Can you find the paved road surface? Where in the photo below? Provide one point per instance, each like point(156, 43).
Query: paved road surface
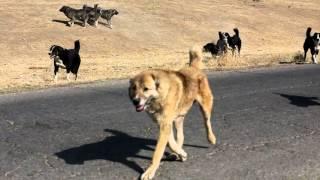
point(267, 123)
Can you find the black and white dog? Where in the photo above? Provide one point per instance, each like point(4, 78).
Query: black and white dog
point(312, 43)
point(68, 59)
point(234, 41)
point(222, 43)
point(75, 14)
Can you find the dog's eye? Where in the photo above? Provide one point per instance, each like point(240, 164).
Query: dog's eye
point(145, 89)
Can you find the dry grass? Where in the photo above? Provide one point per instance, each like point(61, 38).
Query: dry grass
point(147, 34)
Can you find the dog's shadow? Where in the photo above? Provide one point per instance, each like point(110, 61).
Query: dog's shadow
point(117, 148)
point(301, 101)
point(104, 24)
point(66, 22)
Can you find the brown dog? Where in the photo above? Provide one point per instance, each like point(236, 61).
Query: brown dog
point(167, 96)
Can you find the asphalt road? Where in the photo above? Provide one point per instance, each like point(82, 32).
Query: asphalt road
point(266, 122)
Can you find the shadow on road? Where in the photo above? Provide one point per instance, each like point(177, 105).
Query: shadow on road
point(117, 148)
point(301, 101)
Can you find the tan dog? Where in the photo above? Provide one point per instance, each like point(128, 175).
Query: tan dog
point(167, 96)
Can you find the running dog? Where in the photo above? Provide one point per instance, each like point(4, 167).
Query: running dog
point(108, 14)
point(312, 43)
point(93, 14)
point(167, 96)
point(75, 14)
point(234, 41)
point(68, 59)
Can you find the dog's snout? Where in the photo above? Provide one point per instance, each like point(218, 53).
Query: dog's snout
point(136, 101)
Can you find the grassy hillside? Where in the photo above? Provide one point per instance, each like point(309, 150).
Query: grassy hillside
point(146, 34)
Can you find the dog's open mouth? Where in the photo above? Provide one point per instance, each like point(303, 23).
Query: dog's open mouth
point(140, 108)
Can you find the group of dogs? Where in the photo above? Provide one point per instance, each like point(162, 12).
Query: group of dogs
point(88, 14)
point(225, 42)
point(69, 59)
point(167, 95)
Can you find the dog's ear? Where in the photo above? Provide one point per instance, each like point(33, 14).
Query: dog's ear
point(220, 35)
point(156, 80)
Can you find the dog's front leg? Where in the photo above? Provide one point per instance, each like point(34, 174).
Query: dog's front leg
point(109, 23)
point(71, 22)
point(165, 131)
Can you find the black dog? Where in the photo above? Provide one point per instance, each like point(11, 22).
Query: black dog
point(75, 14)
point(234, 41)
point(107, 15)
point(212, 48)
point(312, 43)
point(68, 59)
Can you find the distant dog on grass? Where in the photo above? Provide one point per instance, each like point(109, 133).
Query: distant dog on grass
point(68, 59)
point(222, 43)
point(75, 14)
point(234, 41)
point(108, 14)
point(220, 48)
point(312, 43)
point(93, 14)
point(212, 48)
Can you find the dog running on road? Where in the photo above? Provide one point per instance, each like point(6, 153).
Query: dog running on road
point(167, 96)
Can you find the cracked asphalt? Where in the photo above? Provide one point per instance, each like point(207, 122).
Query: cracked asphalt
point(266, 122)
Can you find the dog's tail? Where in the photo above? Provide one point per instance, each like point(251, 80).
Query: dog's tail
point(236, 30)
point(308, 32)
point(77, 46)
point(195, 55)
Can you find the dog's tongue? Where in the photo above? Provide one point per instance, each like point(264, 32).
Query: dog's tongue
point(139, 108)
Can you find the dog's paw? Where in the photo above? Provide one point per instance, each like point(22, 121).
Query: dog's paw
point(212, 139)
point(148, 174)
point(172, 157)
point(177, 157)
point(183, 157)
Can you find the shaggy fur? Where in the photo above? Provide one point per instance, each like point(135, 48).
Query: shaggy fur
point(234, 41)
point(75, 14)
point(68, 59)
point(312, 43)
point(108, 14)
point(93, 14)
point(167, 97)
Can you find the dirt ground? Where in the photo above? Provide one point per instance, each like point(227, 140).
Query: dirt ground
point(146, 34)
